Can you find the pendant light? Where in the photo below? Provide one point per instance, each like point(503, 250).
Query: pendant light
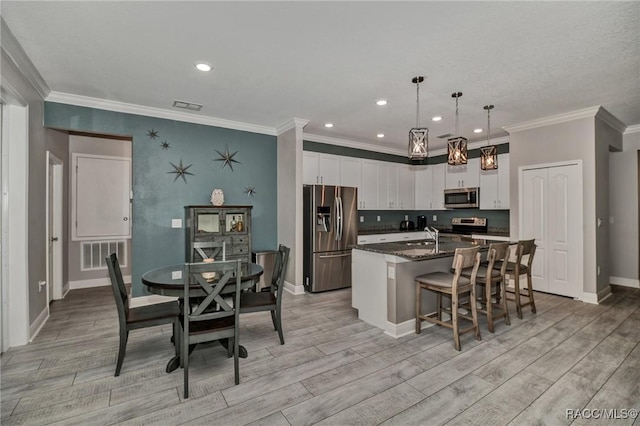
point(457, 147)
point(489, 153)
point(418, 136)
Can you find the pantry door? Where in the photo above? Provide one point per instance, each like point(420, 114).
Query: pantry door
point(551, 210)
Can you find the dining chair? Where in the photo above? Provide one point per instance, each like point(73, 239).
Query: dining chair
point(521, 266)
point(491, 274)
point(216, 250)
point(270, 299)
point(207, 315)
point(141, 316)
point(453, 285)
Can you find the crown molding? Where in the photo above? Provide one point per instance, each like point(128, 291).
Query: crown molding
point(632, 129)
point(353, 144)
point(611, 120)
point(12, 48)
point(89, 102)
point(291, 124)
point(553, 119)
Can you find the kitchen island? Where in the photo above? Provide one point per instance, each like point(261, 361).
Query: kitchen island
point(383, 286)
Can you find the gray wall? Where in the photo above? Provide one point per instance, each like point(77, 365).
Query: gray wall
point(568, 141)
point(95, 146)
point(624, 206)
point(58, 144)
point(290, 201)
point(158, 197)
point(36, 239)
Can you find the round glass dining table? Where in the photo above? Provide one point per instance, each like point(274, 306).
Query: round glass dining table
point(167, 281)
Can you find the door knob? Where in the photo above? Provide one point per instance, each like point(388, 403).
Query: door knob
point(54, 239)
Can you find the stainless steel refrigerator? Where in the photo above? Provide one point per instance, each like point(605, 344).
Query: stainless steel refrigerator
point(330, 230)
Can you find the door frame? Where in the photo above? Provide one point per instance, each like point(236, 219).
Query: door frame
point(54, 201)
point(578, 289)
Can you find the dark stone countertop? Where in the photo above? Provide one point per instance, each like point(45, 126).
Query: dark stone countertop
point(424, 249)
point(497, 232)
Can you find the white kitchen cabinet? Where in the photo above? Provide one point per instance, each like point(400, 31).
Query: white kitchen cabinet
point(437, 186)
point(423, 183)
point(386, 172)
point(392, 185)
point(494, 186)
point(350, 172)
point(320, 169)
point(406, 187)
point(463, 176)
point(368, 194)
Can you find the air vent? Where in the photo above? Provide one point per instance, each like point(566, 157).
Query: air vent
point(445, 136)
point(187, 105)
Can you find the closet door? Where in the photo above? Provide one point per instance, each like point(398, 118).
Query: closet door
point(551, 211)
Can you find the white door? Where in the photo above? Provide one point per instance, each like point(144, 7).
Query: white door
point(551, 212)
point(54, 227)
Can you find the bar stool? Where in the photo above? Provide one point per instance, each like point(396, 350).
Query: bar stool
point(453, 285)
point(516, 269)
point(489, 276)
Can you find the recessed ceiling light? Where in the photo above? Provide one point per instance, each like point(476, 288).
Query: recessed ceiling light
point(381, 102)
point(436, 118)
point(477, 130)
point(328, 125)
point(203, 66)
point(380, 135)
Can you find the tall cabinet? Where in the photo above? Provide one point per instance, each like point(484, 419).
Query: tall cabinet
point(231, 224)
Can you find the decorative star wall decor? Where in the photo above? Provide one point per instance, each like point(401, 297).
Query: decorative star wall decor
point(152, 134)
point(250, 190)
point(227, 158)
point(181, 171)
point(165, 145)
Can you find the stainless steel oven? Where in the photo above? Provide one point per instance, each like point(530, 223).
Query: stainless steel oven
point(462, 198)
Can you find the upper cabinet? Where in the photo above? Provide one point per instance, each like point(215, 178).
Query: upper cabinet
point(321, 169)
point(429, 187)
point(406, 187)
point(350, 172)
point(464, 176)
point(368, 194)
point(494, 186)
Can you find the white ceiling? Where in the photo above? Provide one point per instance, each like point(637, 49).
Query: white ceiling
point(330, 61)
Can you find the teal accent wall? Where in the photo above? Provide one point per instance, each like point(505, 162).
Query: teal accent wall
point(158, 197)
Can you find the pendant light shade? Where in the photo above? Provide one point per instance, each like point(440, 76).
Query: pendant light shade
point(418, 136)
point(457, 147)
point(489, 153)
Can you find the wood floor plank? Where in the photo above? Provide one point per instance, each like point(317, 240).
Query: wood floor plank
point(505, 402)
point(445, 404)
point(181, 412)
point(275, 419)
point(378, 408)
point(256, 408)
point(329, 403)
point(251, 389)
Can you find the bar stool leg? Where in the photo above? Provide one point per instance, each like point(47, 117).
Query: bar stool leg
point(454, 320)
point(503, 290)
point(418, 320)
point(489, 306)
point(516, 279)
point(530, 286)
point(474, 312)
point(439, 307)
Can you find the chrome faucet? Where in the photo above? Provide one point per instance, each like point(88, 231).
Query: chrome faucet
point(435, 235)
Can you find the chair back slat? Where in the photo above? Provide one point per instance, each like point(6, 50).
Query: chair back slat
point(525, 248)
point(210, 250)
point(501, 257)
point(464, 258)
point(118, 287)
point(280, 270)
point(213, 305)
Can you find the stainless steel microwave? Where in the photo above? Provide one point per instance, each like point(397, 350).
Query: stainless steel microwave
point(462, 198)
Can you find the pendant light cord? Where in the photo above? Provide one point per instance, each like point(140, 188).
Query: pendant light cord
point(457, 123)
point(418, 105)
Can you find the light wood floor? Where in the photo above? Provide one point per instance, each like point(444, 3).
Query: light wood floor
point(333, 369)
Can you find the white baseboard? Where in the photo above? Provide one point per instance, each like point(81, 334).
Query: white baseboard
point(409, 326)
point(626, 282)
point(596, 299)
point(37, 325)
point(150, 300)
point(293, 288)
point(96, 282)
